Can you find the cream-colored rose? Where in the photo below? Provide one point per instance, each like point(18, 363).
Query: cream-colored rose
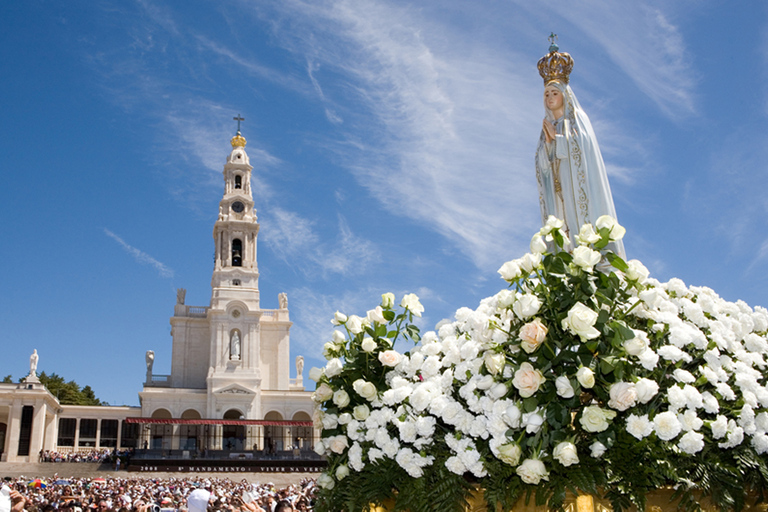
point(510, 453)
point(566, 454)
point(337, 444)
point(494, 362)
point(354, 324)
point(527, 380)
point(333, 368)
point(368, 345)
point(581, 322)
point(365, 389)
point(361, 412)
point(586, 377)
point(322, 393)
point(510, 271)
point(316, 374)
point(341, 398)
point(342, 472)
point(376, 315)
point(411, 303)
point(637, 271)
point(623, 396)
point(532, 335)
point(587, 235)
point(389, 358)
point(532, 471)
point(530, 262)
point(585, 258)
point(538, 245)
point(387, 300)
point(636, 345)
point(646, 389)
point(615, 230)
point(326, 481)
point(595, 419)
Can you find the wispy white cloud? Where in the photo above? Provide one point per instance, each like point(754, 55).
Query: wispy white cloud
point(140, 256)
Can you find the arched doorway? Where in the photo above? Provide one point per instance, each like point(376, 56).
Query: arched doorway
point(273, 436)
point(302, 436)
point(233, 436)
point(189, 435)
point(158, 436)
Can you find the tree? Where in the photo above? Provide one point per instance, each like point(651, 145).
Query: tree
point(69, 393)
point(7, 379)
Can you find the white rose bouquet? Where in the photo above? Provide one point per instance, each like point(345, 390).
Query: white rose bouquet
point(583, 374)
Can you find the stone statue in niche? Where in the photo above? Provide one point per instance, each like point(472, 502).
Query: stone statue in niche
point(299, 367)
point(282, 300)
point(234, 346)
point(181, 295)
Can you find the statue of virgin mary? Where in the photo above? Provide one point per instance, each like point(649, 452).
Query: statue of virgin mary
point(573, 184)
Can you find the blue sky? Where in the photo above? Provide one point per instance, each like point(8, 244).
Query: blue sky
point(392, 145)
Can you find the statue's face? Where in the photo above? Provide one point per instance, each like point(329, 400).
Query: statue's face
point(553, 98)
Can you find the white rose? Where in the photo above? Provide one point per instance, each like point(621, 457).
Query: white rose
point(532, 335)
point(538, 245)
point(566, 454)
point(512, 416)
point(355, 324)
point(339, 318)
point(316, 374)
point(528, 380)
point(623, 396)
point(326, 481)
point(342, 472)
point(412, 304)
point(329, 350)
point(595, 419)
point(564, 388)
point(581, 322)
point(526, 306)
point(585, 258)
point(532, 471)
point(368, 345)
point(510, 270)
point(587, 235)
point(376, 315)
point(365, 389)
point(552, 223)
point(529, 262)
point(510, 453)
point(344, 418)
point(667, 426)
point(646, 389)
point(389, 358)
point(636, 345)
point(532, 421)
point(341, 398)
point(494, 362)
point(636, 271)
point(387, 300)
point(597, 449)
point(498, 390)
point(586, 377)
point(615, 230)
point(333, 368)
point(338, 337)
point(322, 393)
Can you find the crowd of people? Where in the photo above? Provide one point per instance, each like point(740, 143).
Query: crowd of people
point(102, 455)
point(153, 495)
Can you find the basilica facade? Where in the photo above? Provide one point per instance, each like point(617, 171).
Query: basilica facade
point(229, 390)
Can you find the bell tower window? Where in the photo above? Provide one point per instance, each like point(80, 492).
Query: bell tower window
point(238, 181)
point(237, 253)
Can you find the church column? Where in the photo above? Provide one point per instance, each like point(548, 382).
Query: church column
point(98, 433)
point(38, 431)
point(12, 433)
point(119, 434)
point(51, 431)
point(77, 435)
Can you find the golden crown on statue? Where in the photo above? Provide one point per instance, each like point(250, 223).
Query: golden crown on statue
point(555, 66)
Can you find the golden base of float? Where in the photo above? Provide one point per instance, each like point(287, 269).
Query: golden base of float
point(656, 501)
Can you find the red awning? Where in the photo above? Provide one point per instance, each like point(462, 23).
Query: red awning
point(179, 421)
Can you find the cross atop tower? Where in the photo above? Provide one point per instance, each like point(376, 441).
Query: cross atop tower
point(238, 119)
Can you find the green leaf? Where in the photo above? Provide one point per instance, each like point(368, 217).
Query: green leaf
point(388, 315)
point(530, 404)
point(617, 262)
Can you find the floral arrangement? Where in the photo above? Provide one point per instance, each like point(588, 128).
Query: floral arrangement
point(583, 375)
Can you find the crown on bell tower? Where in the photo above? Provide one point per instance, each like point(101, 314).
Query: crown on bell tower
point(238, 141)
point(555, 66)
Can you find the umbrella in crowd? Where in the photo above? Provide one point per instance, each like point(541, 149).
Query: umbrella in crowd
point(62, 482)
point(37, 483)
point(98, 481)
